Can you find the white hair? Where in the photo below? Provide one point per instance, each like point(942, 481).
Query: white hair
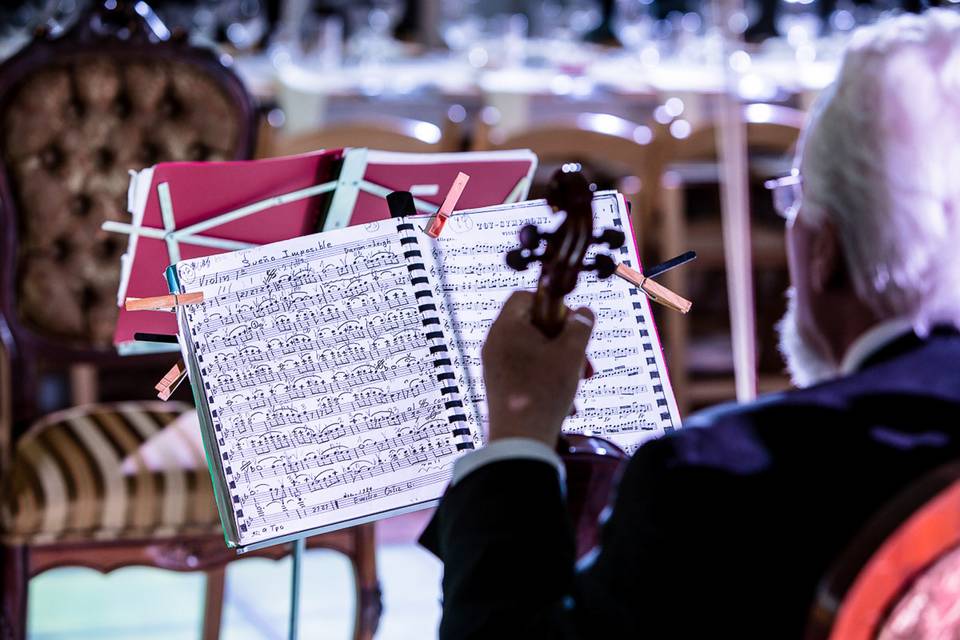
point(881, 160)
point(806, 364)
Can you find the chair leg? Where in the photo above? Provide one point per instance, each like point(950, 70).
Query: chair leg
point(84, 385)
point(213, 603)
point(369, 603)
point(13, 619)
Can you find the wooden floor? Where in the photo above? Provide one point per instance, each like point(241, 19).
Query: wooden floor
point(149, 604)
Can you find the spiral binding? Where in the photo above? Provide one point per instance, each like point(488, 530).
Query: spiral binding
point(228, 474)
point(646, 342)
point(439, 350)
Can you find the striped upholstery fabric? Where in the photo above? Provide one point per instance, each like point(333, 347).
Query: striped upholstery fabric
point(81, 474)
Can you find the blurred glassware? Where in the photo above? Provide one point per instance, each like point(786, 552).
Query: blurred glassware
point(245, 23)
point(56, 15)
point(569, 20)
point(743, 17)
point(484, 34)
point(633, 23)
point(313, 41)
point(508, 35)
point(688, 30)
point(17, 24)
point(371, 24)
point(842, 20)
point(664, 33)
point(799, 22)
point(699, 17)
point(461, 24)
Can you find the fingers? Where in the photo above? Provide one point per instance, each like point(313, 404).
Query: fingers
point(515, 321)
point(576, 332)
point(514, 315)
point(518, 305)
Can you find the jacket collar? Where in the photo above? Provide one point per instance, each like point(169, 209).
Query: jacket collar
point(886, 341)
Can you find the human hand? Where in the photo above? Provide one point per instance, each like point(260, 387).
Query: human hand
point(531, 379)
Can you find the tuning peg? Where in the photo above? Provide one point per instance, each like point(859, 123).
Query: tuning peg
point(530, 237)
point(613, 238)
point(604, 265)
point(517, 261)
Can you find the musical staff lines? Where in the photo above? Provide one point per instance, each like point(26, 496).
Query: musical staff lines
point(468, 262)
point(320, 380)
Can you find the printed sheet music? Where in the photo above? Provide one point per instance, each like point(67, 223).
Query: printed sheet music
point(338, 377)
point(628, 400)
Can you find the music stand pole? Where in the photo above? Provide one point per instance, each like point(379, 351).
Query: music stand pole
point(299, 545)
point(735, 206)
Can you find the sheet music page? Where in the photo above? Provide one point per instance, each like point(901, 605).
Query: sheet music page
point(629, 399)
point(320, 380)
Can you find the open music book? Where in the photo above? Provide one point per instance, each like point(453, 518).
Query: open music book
point(337, 376)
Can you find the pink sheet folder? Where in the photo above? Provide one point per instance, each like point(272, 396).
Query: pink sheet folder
point(184, 210)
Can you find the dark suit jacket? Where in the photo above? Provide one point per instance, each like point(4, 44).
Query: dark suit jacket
point(722, 529)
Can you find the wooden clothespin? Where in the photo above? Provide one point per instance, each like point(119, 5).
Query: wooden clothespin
point(169, 382)
point(654, 290)
point(435, 226)
point(162, 302)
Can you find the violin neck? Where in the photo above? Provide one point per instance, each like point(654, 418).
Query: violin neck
point(549, 313)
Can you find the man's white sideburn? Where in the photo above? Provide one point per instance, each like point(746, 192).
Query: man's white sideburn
point(807, 366)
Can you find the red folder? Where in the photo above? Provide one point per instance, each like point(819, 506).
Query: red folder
point(201, 191)
point(493, 178)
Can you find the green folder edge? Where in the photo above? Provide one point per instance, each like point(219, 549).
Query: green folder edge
point(210, 450)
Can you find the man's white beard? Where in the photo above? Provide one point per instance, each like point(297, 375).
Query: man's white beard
point(805, 363)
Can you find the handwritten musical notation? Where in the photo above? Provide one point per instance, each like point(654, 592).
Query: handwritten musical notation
point(625, 400)
point(320, 380)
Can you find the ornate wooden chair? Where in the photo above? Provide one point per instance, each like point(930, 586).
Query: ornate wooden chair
point(772, 133)
point(900, 578)
point(116, 92)
point(618, 149)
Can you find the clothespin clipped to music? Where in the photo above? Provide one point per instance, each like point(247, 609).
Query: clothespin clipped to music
point(161, 303)
point(169, 383)
point(654, 290)
point(435, 225)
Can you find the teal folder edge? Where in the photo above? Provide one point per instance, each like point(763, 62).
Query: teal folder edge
point(212, 454)
point(210, 449)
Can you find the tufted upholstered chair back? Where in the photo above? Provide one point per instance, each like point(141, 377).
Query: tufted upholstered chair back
point(77, 112)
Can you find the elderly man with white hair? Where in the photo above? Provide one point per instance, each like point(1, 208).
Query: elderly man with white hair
point(725, 528)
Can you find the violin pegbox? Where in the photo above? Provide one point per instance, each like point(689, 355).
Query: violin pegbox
point(603, 264)
point(563, 252)
point(530, 240)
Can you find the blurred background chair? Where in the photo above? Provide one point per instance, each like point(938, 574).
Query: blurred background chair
point(387, 133)
point(615, 152)
point(688, 217)
point(900, 577)
point(77, 111)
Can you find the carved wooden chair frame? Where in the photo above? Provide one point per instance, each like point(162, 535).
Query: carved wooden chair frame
point(904, 539)
point(123, 29)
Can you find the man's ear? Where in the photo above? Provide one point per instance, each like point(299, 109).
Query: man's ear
point(828, 271)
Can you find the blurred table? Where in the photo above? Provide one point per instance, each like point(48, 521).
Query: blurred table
point(603, 79)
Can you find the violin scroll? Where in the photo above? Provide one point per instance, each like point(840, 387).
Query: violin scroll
point(563, 252)
point(532, 238)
